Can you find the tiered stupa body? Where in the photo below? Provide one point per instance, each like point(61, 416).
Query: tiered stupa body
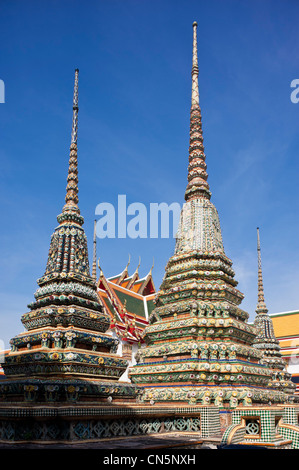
point(199, 344)
point(66, 353)
point(266, 342)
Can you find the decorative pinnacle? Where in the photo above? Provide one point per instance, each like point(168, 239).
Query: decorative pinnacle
point(151, 270)
point(75, 110)
point(70, 211)
point(194, 73)
point(197, 175)
point(261, 306)
point(128, 263)
point(94, 259)
point(137, 269)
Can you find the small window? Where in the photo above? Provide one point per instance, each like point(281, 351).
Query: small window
point(253, 426)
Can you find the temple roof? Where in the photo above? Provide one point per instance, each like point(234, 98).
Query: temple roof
point(129, 300)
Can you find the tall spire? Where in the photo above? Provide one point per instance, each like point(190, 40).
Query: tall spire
point(94, 260)
point(68, 249)
point(71, 210)
point(265, 339)
point(197, 323)
point(198, 341)
point(261, 305)
point(197, 175)
point(75, 110)
point(194, 72)
point(199, 227)
point(67, 313)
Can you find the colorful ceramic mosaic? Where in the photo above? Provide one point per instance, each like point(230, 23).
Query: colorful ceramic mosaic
point(200, 355)
point(266, 341)
point(67, 325)
point(199, 344)
point(261, 426)
point(268, 426)
point(79, 424)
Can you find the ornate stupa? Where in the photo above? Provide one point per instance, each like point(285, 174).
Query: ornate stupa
point(66, 354)
point(199, 344)
point(266, 341)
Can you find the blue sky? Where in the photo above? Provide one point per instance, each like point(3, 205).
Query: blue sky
point(134, 102)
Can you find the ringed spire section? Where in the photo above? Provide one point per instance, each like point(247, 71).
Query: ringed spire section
point(197, 174)
point(71, 211)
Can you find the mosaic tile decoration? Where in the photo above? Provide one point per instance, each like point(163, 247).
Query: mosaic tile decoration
point(93, 429)
point(198, 335)
point(291, 415)
point(199, 347)
point(84, 423)
point(273, 428)
point(234, 434)
point(66, 355)
point(290, 432)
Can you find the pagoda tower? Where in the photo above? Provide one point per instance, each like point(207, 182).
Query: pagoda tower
point(266, 341)
point(199, 344)
point(66, 354)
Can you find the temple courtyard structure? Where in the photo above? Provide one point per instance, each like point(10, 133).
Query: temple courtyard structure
point(201, 369)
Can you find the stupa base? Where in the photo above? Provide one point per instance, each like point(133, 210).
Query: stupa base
point(221, 396)
point(91, 422)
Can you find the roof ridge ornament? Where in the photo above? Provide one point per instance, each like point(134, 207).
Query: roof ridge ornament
point(137, 269)
point(151, 270)
point(125, 271)
point(135, 275)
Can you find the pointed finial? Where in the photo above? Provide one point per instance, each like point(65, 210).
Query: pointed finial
point(197, 175)
point(99, 266)
point(94, 259)
point(135, 276)
point(125, 273)
point(128, 263)
point(194, 73)
point(258, 240)
point(71, 210)
point(152, 267)
point(265, 339)
point(138, 265)
point(75, 110)
point(261, 306)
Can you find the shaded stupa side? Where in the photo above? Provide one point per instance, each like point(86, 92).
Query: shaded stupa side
point(266, 341)
point(199, 344)
point(66, 354)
